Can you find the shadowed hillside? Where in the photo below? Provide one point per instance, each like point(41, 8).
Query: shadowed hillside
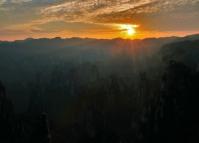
point(102, 91)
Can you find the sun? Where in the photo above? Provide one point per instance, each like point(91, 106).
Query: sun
point(129, 29)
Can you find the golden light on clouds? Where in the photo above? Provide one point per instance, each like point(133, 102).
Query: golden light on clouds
point(128, 30)
point(97, 18)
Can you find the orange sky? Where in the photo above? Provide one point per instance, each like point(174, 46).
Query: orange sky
point(101, 19)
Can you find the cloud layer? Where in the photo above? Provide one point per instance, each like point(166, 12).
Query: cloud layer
point(48, 16)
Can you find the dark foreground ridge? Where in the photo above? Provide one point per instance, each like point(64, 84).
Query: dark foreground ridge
point(105, 95)
point(26, 128)
point(170, 116)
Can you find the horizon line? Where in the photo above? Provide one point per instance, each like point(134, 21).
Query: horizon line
point(64, 38)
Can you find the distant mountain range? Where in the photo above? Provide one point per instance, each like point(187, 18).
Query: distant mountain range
point(89, 42)
point(23, 61)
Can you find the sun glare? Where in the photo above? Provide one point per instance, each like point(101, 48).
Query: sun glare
point(129, 30)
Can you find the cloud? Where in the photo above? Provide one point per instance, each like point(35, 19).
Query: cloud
point(20, 1)
point(40, 16)
point(13, 1)
point(150, 14)
point(2, 2)
point(78, 10)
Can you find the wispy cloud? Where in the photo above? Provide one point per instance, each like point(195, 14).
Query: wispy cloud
point(88, 10)
point(40, 16)
point(111, 11)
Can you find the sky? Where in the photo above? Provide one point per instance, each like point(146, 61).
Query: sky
point(20, 19)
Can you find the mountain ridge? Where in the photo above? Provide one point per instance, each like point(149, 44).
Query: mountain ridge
point(191, 37)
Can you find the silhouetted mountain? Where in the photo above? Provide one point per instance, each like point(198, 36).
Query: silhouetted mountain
point(184, 51)
point(99, 90)
point(22, 60)
point(83, 42)
point(192, 37)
